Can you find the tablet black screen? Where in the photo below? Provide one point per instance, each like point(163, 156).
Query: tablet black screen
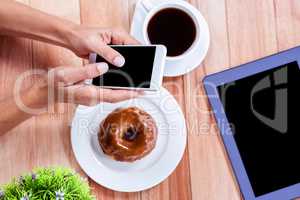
point(263, 110)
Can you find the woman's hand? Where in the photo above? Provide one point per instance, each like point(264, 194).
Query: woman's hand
point(85, 40)
point(66, 84)
point(62, 84)
point(19, 20)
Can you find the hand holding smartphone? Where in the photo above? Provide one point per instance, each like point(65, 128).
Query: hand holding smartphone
point(143, 68)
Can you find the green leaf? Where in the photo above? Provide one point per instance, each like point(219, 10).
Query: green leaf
point(46, 183)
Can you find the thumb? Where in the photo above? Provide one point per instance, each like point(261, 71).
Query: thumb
point(110, 55)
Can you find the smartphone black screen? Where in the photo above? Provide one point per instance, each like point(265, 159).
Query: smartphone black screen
point(136, 72)
point(263, 110)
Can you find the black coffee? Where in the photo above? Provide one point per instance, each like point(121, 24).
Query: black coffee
point(173, 28)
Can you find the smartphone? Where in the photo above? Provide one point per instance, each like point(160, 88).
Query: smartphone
point(143, 68)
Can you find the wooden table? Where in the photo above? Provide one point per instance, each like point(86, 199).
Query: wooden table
point(241, 30)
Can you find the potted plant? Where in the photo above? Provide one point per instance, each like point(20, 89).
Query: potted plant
point(47, 184)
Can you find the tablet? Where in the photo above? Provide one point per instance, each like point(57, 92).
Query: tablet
point(256, 106)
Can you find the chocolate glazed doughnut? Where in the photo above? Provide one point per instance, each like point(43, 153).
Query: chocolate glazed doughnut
point(127, 134)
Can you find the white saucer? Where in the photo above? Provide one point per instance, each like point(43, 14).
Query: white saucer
point(141, 174)
point(179, 67)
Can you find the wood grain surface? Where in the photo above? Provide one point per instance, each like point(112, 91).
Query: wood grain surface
point(241, 31)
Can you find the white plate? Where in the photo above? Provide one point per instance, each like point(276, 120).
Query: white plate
point(141, 174)
point(193, 60)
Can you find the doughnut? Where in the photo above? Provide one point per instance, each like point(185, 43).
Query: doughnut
point(127, 134)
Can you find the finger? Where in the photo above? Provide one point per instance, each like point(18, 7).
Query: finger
point(114, 96)
point(91, 95)
point(110, 55)
point(71, 75)
point(122, 37)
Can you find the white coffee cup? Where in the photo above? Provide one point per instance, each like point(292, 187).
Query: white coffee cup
point(152, 8)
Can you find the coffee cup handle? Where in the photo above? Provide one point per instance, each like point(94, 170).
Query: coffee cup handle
point(148, 4)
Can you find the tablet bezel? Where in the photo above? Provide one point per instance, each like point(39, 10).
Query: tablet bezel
point(211, 82)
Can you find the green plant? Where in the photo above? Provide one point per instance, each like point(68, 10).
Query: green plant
point(47, 184)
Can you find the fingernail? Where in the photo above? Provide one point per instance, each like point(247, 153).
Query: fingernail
point(119, 61)
point(102, 67)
